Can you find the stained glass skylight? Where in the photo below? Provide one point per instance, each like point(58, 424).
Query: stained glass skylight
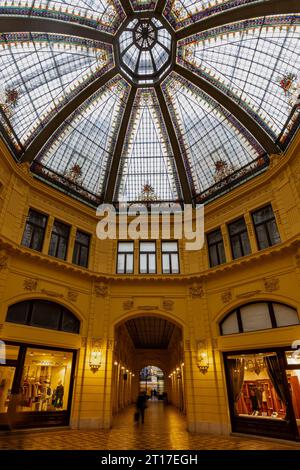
point(147, 165)
point(105, 15)
point(209, 136)
point(143, 5)
point(145, 49)
point(150, 102)
point(181, 13)
point(82, 148)
point(248, 60)
point(46, 71)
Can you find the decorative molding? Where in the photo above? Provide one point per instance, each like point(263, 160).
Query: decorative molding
point(147, 307)
point(101, 290)
point(226, 296)
point(128, 305)
point(3, 262)
point(52, 293)
point(297, 257)
point(168, 305)
point(72, 295)
point(271, 284)
point(30, 284)
point(83, 341)
point(110, 344)
point(187, 345)
point(196, 291)
point(246, 295)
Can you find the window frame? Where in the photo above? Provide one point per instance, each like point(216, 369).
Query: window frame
point(147, 253)
point(237, 312)
point(31, 224)
point(81, 245)
point(170, 253)
point(238, 236)
point(60, 237)
point(264, 224)
point(209, 245)
point(125, 253)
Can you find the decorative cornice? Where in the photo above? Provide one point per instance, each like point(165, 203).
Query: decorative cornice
point(3, 262)
point(241, 263)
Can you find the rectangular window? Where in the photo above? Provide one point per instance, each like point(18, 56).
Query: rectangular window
point(216, 248)
point(125, 263)
point(147, 257)
point(81, 249)
point(265, 227)
point(34, 231)
point(170, 258)
point(239, 240)
point(59, 240)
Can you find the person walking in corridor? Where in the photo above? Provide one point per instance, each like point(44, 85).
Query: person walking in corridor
point(141, 405)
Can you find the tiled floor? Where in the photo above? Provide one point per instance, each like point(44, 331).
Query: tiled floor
point(164, 428)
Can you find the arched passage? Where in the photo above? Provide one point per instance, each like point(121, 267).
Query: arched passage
point(141, 342)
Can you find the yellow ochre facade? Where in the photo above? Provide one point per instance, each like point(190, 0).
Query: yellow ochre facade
point(196, 300)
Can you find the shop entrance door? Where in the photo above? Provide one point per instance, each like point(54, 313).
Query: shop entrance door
point(7, 376)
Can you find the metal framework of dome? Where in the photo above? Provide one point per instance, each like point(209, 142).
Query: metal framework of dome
point(105, 98)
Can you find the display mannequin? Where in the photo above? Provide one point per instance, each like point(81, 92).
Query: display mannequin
point(58, 395)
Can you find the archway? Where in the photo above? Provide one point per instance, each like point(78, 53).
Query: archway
point(153, 345)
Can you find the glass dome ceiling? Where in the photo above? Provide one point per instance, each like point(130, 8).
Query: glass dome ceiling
point(144, 100)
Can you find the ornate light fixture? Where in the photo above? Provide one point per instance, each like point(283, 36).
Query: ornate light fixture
point(95, 355)
point(202, 356)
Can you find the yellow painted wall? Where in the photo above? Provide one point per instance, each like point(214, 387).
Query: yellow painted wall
point(102, 300)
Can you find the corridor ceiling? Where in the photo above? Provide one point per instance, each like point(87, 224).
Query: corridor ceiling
point(148, 100)
point(150, 332)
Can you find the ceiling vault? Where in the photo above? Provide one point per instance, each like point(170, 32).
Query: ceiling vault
point(251, 10)
point(16, 24)
point(242, 116)
point(52, 126)
point(182, 171)
point(115, 161)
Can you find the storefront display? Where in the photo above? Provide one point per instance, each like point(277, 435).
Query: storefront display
point(264, 396)
point(40, 380)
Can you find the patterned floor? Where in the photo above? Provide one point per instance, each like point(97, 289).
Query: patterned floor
point(164, 428)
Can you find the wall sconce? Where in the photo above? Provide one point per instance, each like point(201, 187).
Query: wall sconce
point(95, 355)
point(202, 357)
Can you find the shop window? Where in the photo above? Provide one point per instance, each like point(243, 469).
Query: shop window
point(170, 258)
point(147, 257)
point(81, 249)
point(7, 374)
point(265, 227)
point(125, 258)
point(45, 383)
point(216, 248)
point(43, 314)
point(59, 240)
point(34, 231)
point(239, 240)
point(256, 389)
point(258, 316)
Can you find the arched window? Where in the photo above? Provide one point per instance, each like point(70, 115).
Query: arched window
point(43, 314)
point(258, 316)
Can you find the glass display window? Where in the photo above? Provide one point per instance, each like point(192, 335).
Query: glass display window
point(45, 381)
point(7, 374)
point(256, 390)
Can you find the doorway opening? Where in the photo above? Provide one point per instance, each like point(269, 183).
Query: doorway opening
point(148, 349)
point(152, 382)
